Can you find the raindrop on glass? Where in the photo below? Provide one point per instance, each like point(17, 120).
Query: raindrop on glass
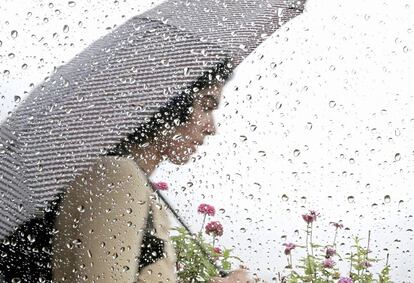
point(397, 157)
point(332, 104)
point(285, 197)
point(71, 3)
point(17, 99)
point(387, 199)
point(351, 199)
point(65, 28)
point(296, 152)
point(14, 34)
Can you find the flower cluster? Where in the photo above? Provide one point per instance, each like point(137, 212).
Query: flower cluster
point(330, 252)
point(337, 225)
point(206, 209)
point(322, 266)
point(214, 228)
point(289, 247)
point(192, 265)
point(310, 217)
point(161, 186)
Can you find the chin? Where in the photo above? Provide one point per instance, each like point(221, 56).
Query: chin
point(180, 161)
point(183, 158)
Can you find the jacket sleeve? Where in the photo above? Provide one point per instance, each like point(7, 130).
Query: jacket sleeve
point(100, 224)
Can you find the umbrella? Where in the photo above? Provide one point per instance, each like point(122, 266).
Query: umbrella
point(115, 86)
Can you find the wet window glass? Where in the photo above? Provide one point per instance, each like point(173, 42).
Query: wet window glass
point(206, 141)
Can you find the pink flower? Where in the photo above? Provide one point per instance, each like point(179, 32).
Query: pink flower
point(161, 186)
point(345, 280)
point(337, 225)
point(330, 252)
point(215, 228)
point(328, 263)
point(206, 209)
point(217, 250)
point(289, 247)
point(310, 217)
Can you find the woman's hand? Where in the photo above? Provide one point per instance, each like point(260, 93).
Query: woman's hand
point(237, 276)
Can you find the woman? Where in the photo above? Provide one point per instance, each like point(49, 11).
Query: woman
point(99, 227)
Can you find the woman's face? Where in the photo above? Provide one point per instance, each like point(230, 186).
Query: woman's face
point(183, 143)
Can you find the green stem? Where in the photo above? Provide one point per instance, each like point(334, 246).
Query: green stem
point(307, 240)
point(336, 234)
point(311, 242)
point(202, 225)
point(311, 246)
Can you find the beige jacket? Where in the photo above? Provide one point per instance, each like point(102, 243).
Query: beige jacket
point(100, 227)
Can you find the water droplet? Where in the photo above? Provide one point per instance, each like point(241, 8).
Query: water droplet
point(81, 208)
point(278, 105)
point(14, 34)
point(387, 199)
point(17, 99)
point(1, 43)
point(65, 28)
point(332, 68)
point(186, 71)
point(285, 197)
point(309, 126)
point(397, 132)
point(71, 3)
point(296, 152)
point(243, 230)
point(6, 72)
point(24, 66)
point(332, 104)
point(31, 238)
point(125, 268)
point(243, 138)
point(351, 199)
point(129, 210)
point(11, 55)
point(405, 49)
point(397, 157)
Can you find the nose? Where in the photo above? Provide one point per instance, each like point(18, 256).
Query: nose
point(210, 126)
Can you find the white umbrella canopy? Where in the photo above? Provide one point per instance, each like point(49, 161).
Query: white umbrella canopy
point(114, 86)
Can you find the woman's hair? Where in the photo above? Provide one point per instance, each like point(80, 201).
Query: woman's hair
point(175, 113)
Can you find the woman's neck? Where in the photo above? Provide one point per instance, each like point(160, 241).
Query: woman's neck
point(148, 158)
